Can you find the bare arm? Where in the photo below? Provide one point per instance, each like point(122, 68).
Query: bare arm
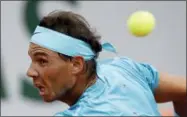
point(172, 88)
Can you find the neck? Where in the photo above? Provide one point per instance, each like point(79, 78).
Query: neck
point(81, 85)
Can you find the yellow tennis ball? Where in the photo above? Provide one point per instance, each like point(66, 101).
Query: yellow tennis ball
point(141, 23)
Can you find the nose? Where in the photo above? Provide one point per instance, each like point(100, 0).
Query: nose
point(31, 72)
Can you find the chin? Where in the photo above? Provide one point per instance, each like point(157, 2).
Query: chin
point(48, 99)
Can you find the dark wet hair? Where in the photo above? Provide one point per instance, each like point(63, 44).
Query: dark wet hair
point(74, 25)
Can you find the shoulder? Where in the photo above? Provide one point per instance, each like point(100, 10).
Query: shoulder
point(121, 62)
point(116, 60)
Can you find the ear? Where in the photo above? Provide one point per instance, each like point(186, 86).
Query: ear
point(77, 64)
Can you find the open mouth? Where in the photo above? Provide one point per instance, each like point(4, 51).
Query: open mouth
point(41, 89)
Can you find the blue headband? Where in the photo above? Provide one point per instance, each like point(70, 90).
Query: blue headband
point(65, 44)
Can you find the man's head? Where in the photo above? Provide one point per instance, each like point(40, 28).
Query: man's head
point(56, 74)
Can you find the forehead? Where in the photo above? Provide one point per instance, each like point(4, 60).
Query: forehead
point(34, 48)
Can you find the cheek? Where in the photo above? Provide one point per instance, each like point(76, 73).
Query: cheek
point(59, 78)
point(63, 80)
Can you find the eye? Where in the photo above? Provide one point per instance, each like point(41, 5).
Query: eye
point(42, 62)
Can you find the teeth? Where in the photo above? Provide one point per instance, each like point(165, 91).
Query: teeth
point(41, 91)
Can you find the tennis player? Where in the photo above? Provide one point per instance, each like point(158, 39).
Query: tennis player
point(64, 51)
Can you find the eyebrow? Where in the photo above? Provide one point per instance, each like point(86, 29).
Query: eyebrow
point(40, 54)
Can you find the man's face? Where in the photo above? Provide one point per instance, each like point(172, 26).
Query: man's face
point(50, 73)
